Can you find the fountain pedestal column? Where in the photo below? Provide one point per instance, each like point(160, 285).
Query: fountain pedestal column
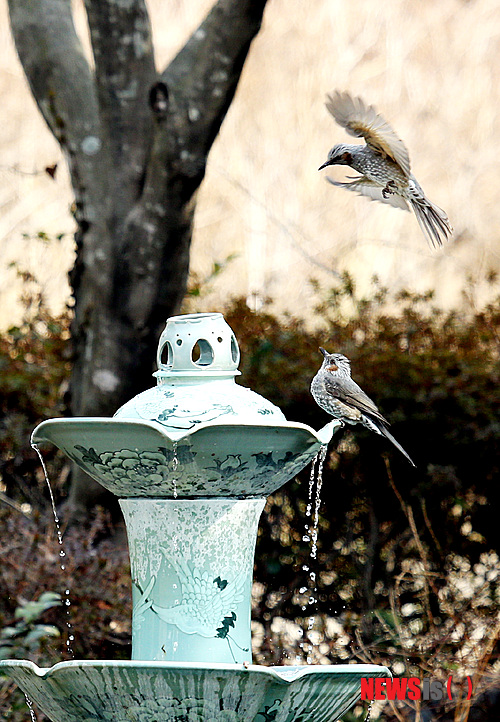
point(192, 567)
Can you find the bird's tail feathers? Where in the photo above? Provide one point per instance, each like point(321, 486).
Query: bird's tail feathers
point(432, 220)
point(385, 432)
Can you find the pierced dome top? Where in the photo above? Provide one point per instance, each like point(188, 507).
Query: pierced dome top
point(197, 343)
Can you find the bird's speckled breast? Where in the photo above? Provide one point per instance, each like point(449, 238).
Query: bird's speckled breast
point(332, 405)
point(378, 169)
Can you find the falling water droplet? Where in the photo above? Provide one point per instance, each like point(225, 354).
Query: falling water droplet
point(311, 484)
point(175, 464)
point(311, 534)
point(317, 501)
point(62, 553)
point(30, 707)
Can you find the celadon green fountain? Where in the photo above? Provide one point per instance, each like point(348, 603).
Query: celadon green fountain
point(192, 461)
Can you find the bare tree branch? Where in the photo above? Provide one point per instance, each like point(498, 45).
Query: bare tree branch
point(63, 87)
point(60, 78)
point(124, 72)
point(51, 54)
point(206, 71)
point(200, 82)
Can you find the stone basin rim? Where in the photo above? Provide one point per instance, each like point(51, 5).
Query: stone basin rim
point(283, 674)
point(323, 436)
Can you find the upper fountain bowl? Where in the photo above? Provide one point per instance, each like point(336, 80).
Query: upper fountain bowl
point(197, 432)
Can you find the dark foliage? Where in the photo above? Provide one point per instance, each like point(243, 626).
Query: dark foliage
point(34, 369)
point(435, 376)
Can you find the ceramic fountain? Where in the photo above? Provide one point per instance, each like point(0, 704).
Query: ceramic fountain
point(192, 461)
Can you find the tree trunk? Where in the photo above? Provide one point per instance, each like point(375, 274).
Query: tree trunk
point(136, 144)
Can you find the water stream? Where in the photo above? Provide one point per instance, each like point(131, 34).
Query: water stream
point(311, 535)
point(175, 464)
point(30, 707)
point(62, 556)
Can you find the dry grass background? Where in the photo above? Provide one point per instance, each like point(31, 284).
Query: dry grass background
point(430, 67)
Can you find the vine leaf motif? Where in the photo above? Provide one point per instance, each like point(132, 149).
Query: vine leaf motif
point(265, 460)
point(90, 456)
point(270, 711)
point(227, 622)
point(227, 467)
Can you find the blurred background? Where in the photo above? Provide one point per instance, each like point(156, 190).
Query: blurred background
point(430, 68)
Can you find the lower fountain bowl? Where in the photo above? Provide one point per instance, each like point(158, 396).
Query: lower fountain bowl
point(131, 691)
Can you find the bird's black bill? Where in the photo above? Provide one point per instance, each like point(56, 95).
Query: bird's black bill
point(327, 163)
point(323, 351)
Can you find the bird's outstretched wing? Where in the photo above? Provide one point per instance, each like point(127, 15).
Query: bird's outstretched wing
point(365, 187)
point(350, 394)
point(363, 121)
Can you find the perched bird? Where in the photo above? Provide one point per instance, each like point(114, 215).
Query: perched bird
point(384, 165)
point(334, 391)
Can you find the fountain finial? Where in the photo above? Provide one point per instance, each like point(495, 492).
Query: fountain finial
point(197, 343)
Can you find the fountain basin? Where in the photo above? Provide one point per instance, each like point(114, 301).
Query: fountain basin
point(140, 458)
point(123, 691)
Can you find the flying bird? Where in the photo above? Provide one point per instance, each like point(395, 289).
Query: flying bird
point(383, 164)
point(335, 392)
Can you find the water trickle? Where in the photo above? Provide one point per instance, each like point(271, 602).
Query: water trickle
point(311, 535)
point(369, 712)
point(317, 501)
point(175, 464)
point(62, 553)
point(311, 486)
point(30, 707)
point(52, 501)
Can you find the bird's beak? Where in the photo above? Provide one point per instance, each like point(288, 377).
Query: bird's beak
point(327, 163)
point(323, 351)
